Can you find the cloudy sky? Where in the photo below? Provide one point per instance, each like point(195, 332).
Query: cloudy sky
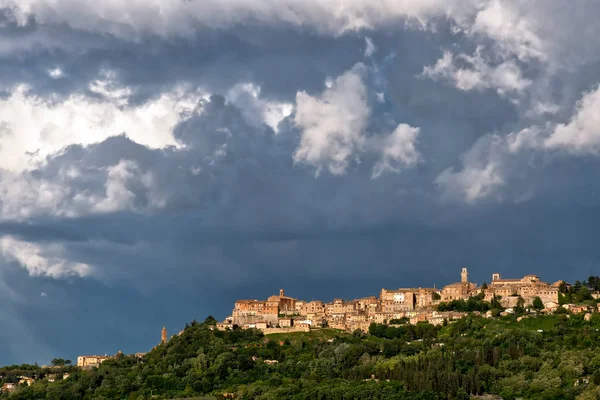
point(159, 159)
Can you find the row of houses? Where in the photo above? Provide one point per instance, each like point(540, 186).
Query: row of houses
point(416, 304)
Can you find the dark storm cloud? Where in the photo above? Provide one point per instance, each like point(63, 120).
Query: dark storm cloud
point(280, 59)
point(180, 232)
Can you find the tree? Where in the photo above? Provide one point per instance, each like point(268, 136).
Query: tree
point(484, 286)
point(495, 303)
point(520, 307)
point(594, 283)
point(562, 287)
point(461, 394)
point(583, 294)
point(58, 362)
point(210, 320)
point(538, 304)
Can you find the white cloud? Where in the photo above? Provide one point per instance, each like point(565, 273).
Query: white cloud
point(55, 73)
point(481, 174)
point(552, 32)
point(486, 166)
point(118, 196)
point(31, 124)
point(257, 110)
point(581, 135)
point(504, 78)
point(512, 30)
point(23, 195)
point(135, 17)
point(370, 47)
point(43, 294)
point(541, 108)
point(334, 132)
point(527, 138)
point(333, 123)
point(397, 149)
point(42, 259)
point(107, 86)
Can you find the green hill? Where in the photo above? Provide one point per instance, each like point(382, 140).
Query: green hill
point(543, 357)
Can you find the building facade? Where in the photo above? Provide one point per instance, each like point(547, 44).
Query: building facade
point(91, 361)
point(414, 304)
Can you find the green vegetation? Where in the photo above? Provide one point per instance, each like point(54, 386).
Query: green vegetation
point(473, 303)
point(579, 292)
point(541, 357)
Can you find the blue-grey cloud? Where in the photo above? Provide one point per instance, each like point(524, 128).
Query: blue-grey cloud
point(155, 168)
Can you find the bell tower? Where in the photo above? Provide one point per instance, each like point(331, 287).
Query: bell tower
point(281, 293)
point(163, 336)
point(464, 275)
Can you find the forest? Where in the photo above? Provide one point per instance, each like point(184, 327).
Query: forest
point(537, 357)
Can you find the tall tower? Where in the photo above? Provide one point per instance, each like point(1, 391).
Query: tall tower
point(464, 275)
point(281, 293)
point(163, 336)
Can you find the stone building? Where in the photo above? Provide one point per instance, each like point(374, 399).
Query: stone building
point(287, 305)
point(427, 297)
point(252, 311)
point(91, 361)
point(529, 287)
point(407, 299)
point(339, 306)
point(397, 300)
point(370, 304)
point(246, 311)
point(313, 307)
point(416, 304)
point(459, 290)
point(300, 304)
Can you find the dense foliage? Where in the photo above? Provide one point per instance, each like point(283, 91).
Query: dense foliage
point(579, 292)
point(541, 357)
point(473, 303)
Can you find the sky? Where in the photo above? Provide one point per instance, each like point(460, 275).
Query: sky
point(161, 159)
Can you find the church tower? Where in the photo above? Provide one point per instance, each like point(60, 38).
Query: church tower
point(464, 275)
point(164, 335)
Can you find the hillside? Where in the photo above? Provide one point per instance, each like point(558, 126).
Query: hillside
point(543, 357)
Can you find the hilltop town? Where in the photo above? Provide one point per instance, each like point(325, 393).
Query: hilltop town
point(281, 313)
point(399, 319)
point(284, 314)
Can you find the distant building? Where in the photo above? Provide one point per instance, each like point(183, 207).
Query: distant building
point(9, 387)
point(285, 304)
point(250, 311)
point(280, 312)
point(91, 361)
point(26, 380)
point(529, 287)
point(459, 290)
point(163, 336)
